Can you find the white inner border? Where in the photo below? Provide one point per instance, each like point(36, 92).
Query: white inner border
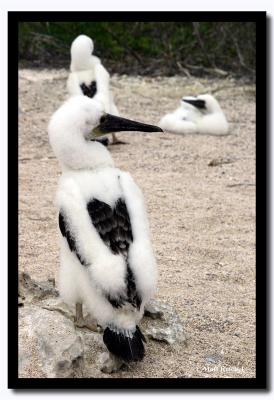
point(106, 5)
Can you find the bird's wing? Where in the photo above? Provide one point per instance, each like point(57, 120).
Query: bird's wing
point(69, 235)
point(95, 60)
point(190, 112)
point(140, 255)
point(213, 124)
point(177, 124)
point(73, 86)
point(112, 224)
point(103, 90)
point(114, 227)
point(113, 108)
point(74, 223)
point(107, 269)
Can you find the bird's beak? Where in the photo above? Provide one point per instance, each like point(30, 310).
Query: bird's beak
point(111, 123)
point(198, 103)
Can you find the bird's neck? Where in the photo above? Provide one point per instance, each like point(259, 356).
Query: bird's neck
point(86, 156)
point(84, 64)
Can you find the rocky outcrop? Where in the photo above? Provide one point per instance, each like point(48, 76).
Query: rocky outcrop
point(50, 346)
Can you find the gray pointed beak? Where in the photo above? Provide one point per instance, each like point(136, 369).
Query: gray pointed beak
point(198, 103)
point(111, 123)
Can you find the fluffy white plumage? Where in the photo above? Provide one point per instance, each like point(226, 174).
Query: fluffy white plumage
point(106, 271)
point(87, 68)
point(203, 116)
point(88, 172)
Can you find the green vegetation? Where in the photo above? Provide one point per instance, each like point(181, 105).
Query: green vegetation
point(146, 48)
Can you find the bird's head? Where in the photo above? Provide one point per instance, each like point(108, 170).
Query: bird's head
point(79, 121)
point(205, 103)
point(81, 52)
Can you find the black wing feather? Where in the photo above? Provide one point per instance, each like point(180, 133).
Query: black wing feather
point(66, 232)
point(114, 228)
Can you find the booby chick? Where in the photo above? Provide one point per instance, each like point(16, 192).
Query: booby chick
point(107, 260)
point(201, 115)
point(88, 77)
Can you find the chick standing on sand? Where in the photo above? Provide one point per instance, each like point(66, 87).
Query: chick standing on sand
point(88, 77)
point(107, 260)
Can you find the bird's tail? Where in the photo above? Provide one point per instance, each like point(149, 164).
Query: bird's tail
point(126, 345)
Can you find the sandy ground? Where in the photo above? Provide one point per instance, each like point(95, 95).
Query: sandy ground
point(202, 217)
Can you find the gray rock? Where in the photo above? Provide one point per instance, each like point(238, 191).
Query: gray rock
point(213, 358)
point(109, 363)
point(168, 327)
point(48, 343)
point(31, 290)
point(153, 310)
point(55, 304)
point(50, 346)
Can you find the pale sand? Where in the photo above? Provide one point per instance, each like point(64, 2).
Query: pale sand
point(202, 218)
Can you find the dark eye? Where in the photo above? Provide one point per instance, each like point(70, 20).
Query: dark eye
point(102, 119)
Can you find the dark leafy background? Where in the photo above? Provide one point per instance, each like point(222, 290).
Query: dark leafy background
point(147, 48)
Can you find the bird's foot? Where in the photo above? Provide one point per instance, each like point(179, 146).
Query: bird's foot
point(152, 311)
point(88, 323)
point(114, 142)
point(111, 363)
point(103, 141)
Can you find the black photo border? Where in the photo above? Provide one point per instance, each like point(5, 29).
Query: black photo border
point(260, 381)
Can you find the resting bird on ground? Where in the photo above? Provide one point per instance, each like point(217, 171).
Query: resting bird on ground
point(201, 114)
point(89, 77)
point(107, 260)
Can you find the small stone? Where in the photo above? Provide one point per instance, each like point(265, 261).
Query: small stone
point(219, 161)
point(213, 358)
point(33, 290)
point(109, 363)
point(153, 311)
point(168, 328)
